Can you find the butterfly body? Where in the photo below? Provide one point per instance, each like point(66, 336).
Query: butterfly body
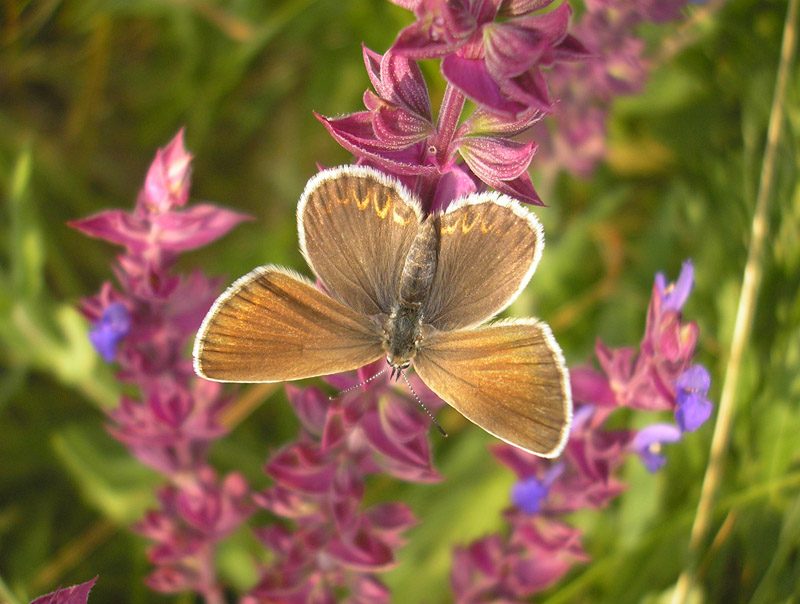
point(416, 289)
point(403, 328)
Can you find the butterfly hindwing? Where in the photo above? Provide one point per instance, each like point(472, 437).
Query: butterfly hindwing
point(508, 377)
point(273, 325)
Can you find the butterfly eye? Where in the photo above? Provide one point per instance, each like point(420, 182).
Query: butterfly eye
point(405, 365)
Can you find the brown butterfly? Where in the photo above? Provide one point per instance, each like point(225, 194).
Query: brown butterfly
point(412, 287)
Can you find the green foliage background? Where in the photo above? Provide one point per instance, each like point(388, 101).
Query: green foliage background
point(90, 89)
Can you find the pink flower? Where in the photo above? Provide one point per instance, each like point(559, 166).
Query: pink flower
point(145, 326)
point(397, 134)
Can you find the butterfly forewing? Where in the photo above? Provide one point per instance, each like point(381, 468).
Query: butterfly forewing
point(489, 248)
point(509, 378)
point(272, 325)
point(356, 227)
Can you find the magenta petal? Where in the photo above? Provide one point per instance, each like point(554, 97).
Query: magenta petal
point(452, 185)
point(511, 50)
point(391, 519)
point(416, 42)
point(441, 27)
point(372, 61)
point(590, 386)
point(115, 226)
point(570, 49)
point(493, 158)
point(362, 551)
point(555, 547)
point(301, 467)
point(551, 26)
point(77, 594)
point(368, 590)
point(398, 128)
point(516, 8)
point(354, 132)
point(167, 183)
point(310, 405)
point(335, 428)
point(520, 188)
point(402, 83)
point(486, 122)
point(473, 79)
point(284, 502)
point(198, 226)
point(529, 89)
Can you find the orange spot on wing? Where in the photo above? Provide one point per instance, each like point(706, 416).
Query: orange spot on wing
point(466, 227)
point(382, 211)
point(364, 203)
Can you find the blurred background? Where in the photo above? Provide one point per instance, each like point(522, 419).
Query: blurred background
point(89, 90)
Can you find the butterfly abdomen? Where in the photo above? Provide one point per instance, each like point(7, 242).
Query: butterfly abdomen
point(420, 265)
point(402, 327)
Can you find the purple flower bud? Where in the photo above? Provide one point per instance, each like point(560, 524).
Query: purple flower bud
point(674, 295)
point(529, 493)
point(106, 333)
point(693, 408)
point(647, 444)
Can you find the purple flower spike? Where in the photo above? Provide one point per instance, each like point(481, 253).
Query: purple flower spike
point(648, 442)
point(694, 408)
point(113, 326)
point(674, 295)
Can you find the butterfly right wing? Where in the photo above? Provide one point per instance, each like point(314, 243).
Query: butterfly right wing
point(356, 226)
point(490, 246)
point(508, 377)
point(273, 325)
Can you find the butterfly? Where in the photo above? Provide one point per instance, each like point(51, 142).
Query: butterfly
point(412, 287)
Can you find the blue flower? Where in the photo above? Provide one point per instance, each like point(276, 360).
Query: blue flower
point(694, 408)
point(110, 328)
point(529, 493)
point(648, 443)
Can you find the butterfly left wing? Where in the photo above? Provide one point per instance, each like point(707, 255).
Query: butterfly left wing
point(273, 325)
point(356, 226)
point(508, 377)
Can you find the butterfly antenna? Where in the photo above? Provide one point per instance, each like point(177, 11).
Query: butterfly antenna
point(421, 404)
point(359, 385)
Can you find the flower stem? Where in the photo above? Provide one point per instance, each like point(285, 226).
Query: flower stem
point(449, 114)
point(744, 314)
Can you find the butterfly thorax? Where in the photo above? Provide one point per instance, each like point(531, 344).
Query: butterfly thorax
point(403, 327)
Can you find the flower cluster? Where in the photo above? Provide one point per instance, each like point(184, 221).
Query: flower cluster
point(144, 325)
point(492, 53)
point(332, 545)
point(539, 547)
point(660, 377)
point(574, 136)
